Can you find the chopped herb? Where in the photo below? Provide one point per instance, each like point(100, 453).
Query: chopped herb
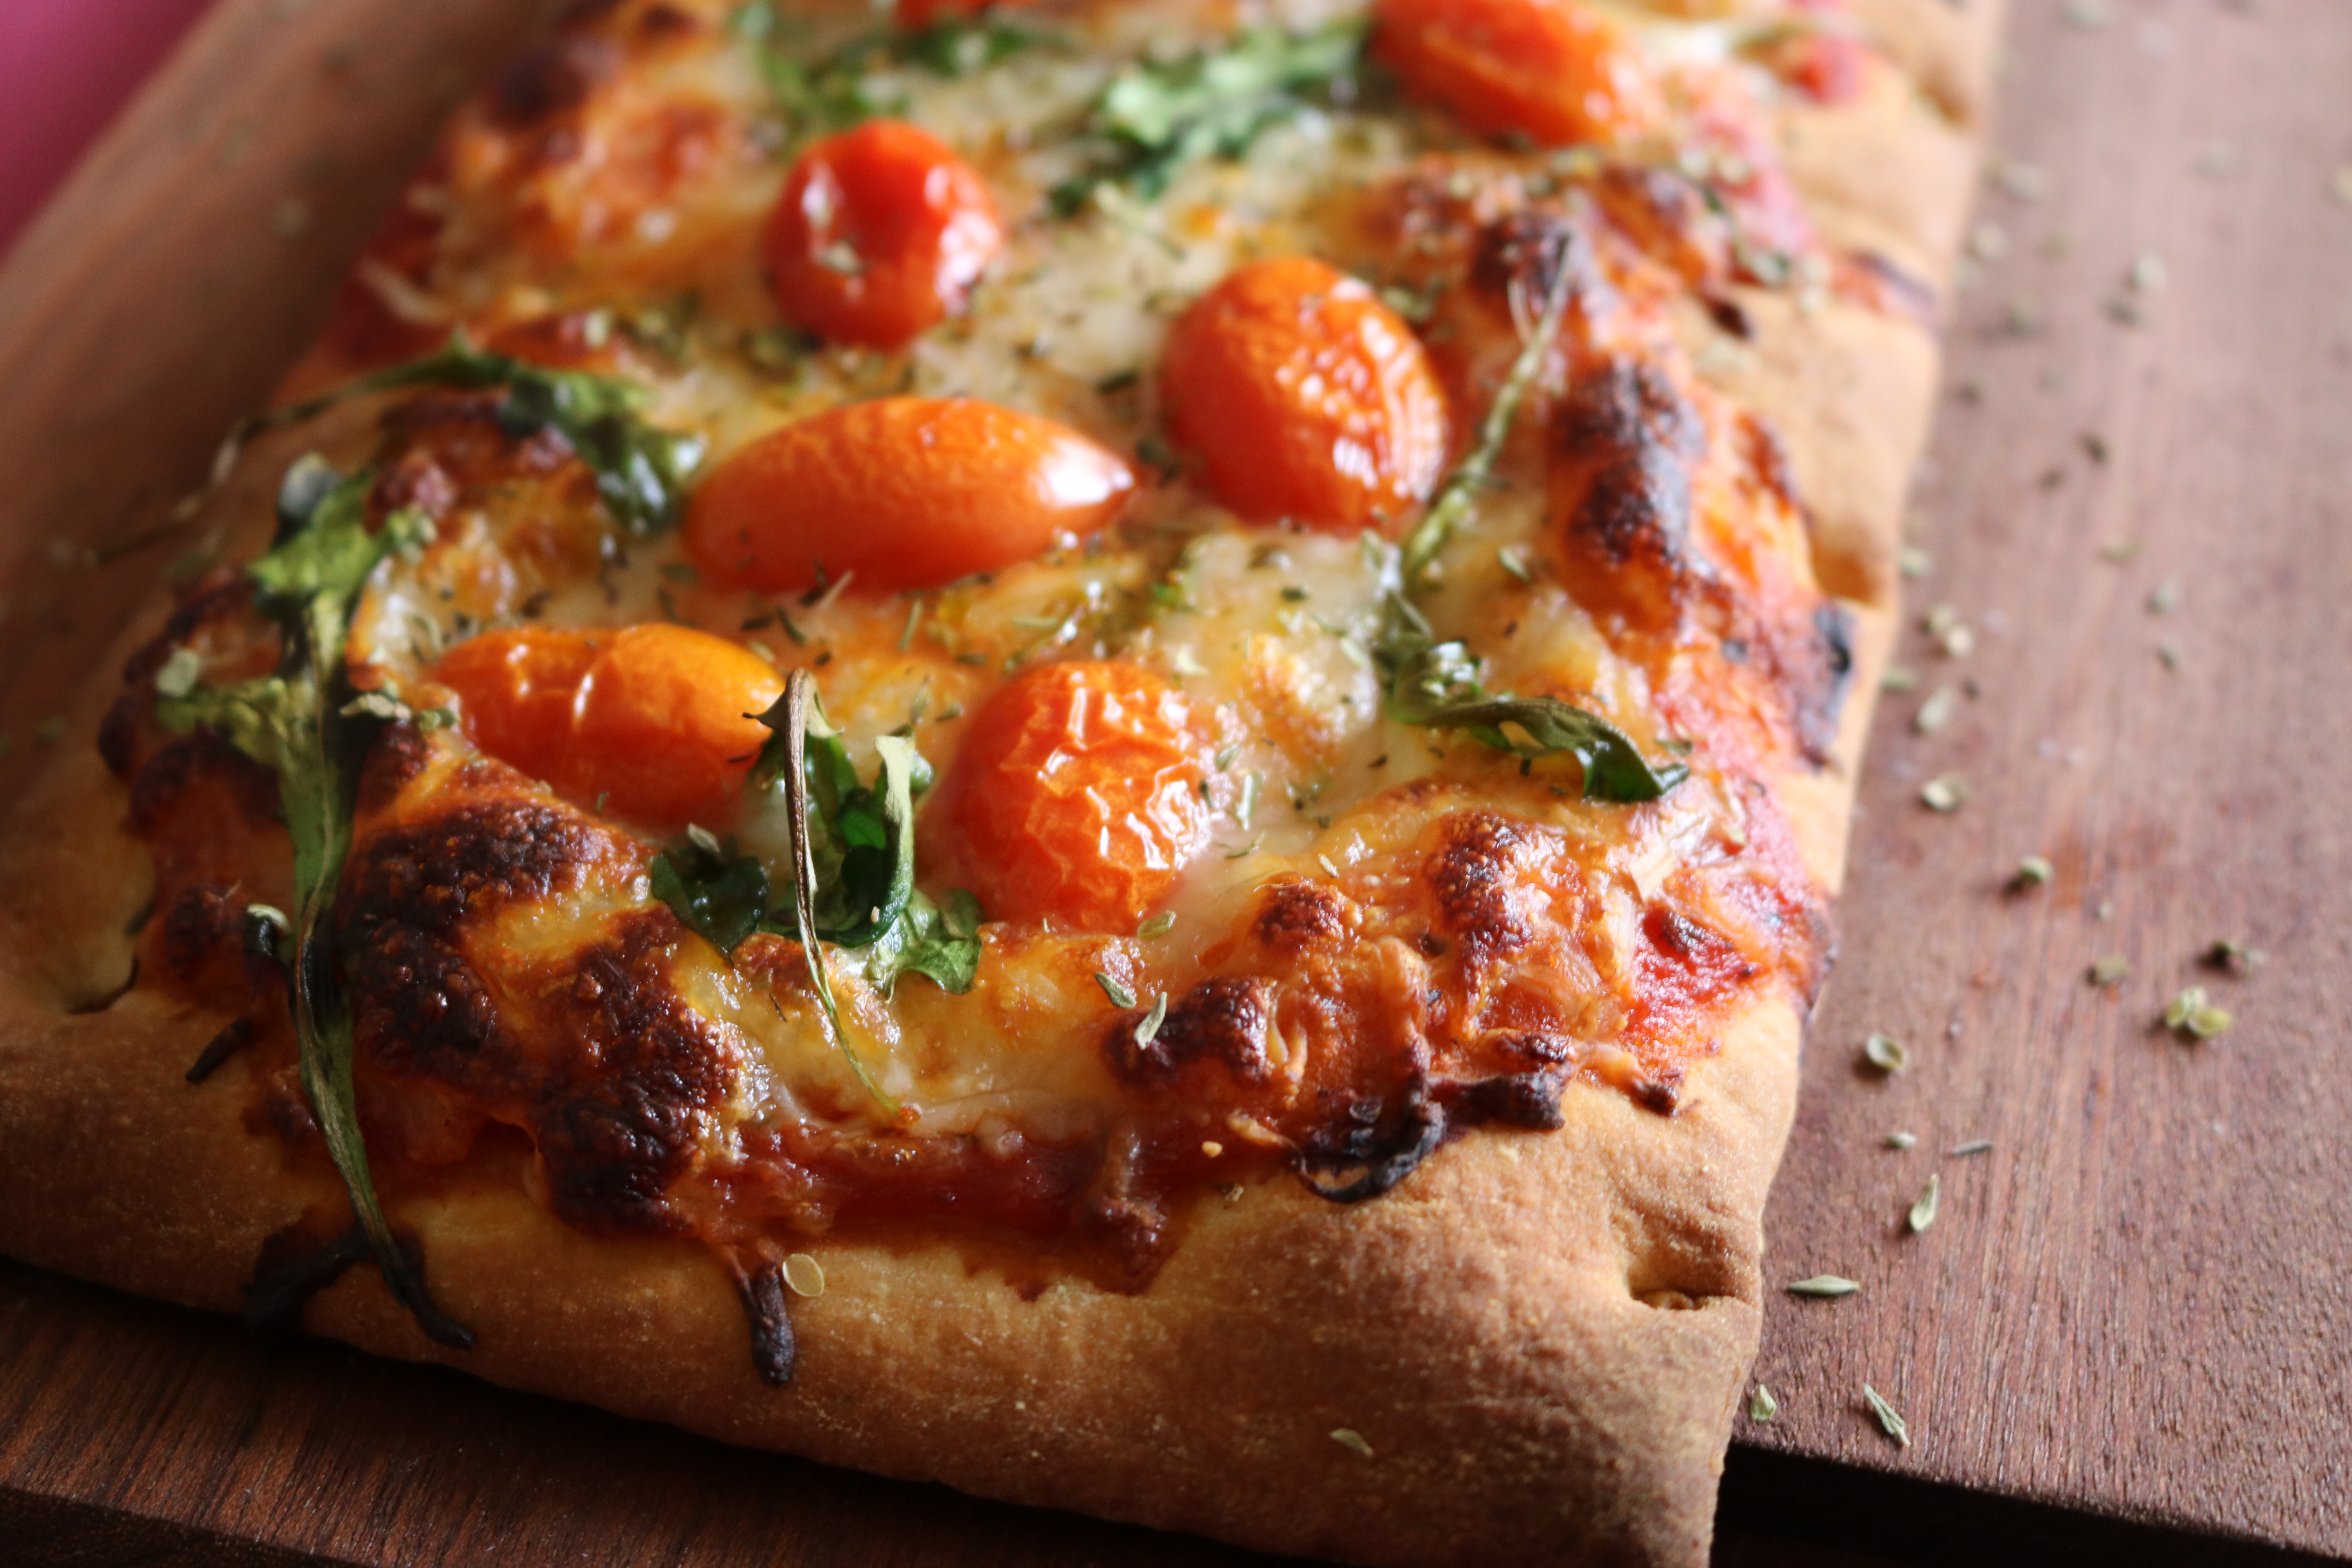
point(2032, 871)
point(1148, 1029)
point(2111, 971)
point(804, 1276)
point(1945, 793)
point(1157, 925)
point(1154, 118)
point(1914, 561)
point(641, 469)
point(1886, 1052)
point(1899, 678)
point(1901, 1139)
point(2167, 653)
point(1121, 996)
point(1294, 593)
point(2191, 1011)
point(1826, 1286)
point(2164, 597)
point(1973, 1146)
point(1455, 502)
point(1922, 1212)
point(293, 723)
point(1888, 1421)
point(1512, 560)
point(1762, 1405)
point(1352, 1440)
point(1436, 685)
point(178, 673)
point(1937, 712)
point(2119, 552)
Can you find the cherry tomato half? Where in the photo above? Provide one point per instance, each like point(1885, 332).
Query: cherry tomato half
point(1076, 797)
point(881, 233)
point(1305, 397)
point(908, 492)
point(654, 718)
point(1550, 69)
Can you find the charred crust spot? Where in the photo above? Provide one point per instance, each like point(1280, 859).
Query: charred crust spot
point(461, 434)
point(1371, 1145)
point(1822, 699)
point(549, 78)
point(412, 479)
point(418, 1006)
point(434, 874)
point(204, 921)
point(399, 754)
point(1530, 251)
point(233, 1038)
point(296, 1263)
point(195, 759)
point(641, 1074)
point(1666, 215)
point(1730, 316)
point(773, 1349)
point(1293, 916)
point(1529, 1099)
point(117, 733)
point(1223, 1019)
point(1624, 443)
point(1472, 875)
point(221, 595)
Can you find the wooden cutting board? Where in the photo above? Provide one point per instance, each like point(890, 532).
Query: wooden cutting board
point(2136, 1305)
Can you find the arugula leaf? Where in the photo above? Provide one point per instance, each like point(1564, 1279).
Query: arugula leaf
point(860, 849)
point(832, 93)
point(1436, 685)
point(1152, 118)
point(296, 723)
point(641, 469)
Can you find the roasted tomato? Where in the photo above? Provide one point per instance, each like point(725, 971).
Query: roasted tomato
point(656, 719)
point(1304, 397)
point(907, 492)
point(1076, 797)
point(1549, 70)
point(881, 233)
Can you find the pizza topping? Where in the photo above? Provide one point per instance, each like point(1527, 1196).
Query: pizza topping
point(880, 233)
point(1077, 797)
point(1556, 72)
point(1307, 399)
point(1154, 118)
point(902, 492)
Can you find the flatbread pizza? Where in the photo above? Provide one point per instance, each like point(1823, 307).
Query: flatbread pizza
point(1095, 749)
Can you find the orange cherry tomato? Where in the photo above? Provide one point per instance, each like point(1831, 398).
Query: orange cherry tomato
point(881, 232)
point(664, 725)
point(907, 492)
point(1304, 397)
point(518, 690)
point(653, 717)
point(1076, 797)
point(1551, 70)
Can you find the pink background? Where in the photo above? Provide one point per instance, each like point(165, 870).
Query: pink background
point(65, 68)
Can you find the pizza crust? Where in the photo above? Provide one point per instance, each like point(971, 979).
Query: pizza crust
point(1542, 1337)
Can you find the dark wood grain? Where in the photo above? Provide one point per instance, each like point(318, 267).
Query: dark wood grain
point(2133, 1317)
point(2141, 1298)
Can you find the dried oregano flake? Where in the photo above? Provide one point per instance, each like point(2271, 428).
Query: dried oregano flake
point(1922, 1212)
point(1347, 1437)
point(1888, 1421)
point(1886, 1052)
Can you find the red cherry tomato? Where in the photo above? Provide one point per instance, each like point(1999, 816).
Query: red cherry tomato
point(1549, 70)
point(908, 492)
point(1076, 797)
point(881, 233)
point(914, 15)
point(1305, 398)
